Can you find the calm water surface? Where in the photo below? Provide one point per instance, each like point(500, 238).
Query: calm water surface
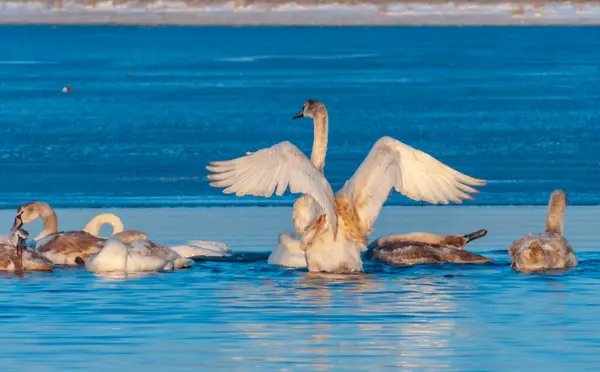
point(515, 106)
point(241, 314)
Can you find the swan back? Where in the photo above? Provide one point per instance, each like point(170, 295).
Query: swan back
point(93, 227)
point(538, 252)
point(549, 250)
point(130, 236)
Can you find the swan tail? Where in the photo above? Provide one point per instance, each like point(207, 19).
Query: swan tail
point(206, 244)
point(201, 248)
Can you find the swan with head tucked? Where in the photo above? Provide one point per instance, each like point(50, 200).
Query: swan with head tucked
point(549, 250)
point(132, 251)
point(61, 248)
point(190, 249)
point(14, 257)
point(425, 248)
point(334, 240)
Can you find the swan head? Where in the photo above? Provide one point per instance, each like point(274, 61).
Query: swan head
point(19, 238)
point(311, 108)
point(27, 213)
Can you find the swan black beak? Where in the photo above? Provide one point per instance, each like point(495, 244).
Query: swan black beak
point(298, 115)
point(475, 235)
point(17, 224)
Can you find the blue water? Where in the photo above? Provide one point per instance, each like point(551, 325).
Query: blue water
point(515, 106)
point(240, 313)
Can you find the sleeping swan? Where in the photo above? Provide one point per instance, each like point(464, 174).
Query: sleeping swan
point(334, 240)
point(131, 251)
point(549, 250)
point(14, 257)
point(190, 249)
point(426, 248)
point(61, 248)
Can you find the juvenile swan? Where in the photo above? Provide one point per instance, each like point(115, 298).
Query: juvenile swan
point(549, 250)
point(334, 240)
point(61, 248)
point(426, 248)
point(14, 257)
point(131, 251)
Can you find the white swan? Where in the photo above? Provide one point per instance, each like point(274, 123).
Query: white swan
point(61, 248)
point(190, 249)
point(334, 240)
point(131, 251)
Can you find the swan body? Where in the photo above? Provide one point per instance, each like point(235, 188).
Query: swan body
point(425, 248)
point(14, 257)
point(131, 251)
point(61, 248)
point(201, 248)
point(334, 240)
point(549, 250)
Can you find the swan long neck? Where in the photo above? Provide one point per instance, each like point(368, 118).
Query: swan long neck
point(50, 220)
point(556, 212)
point(93, 227)
point(319, 150)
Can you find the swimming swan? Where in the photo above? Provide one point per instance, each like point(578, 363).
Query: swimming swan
point(131, 251)
point(61, 248)
point(14, 257)
point(334, 240)
point(549, 250)
point(425, 248)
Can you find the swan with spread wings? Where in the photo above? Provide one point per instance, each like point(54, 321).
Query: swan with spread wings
point(334, 240)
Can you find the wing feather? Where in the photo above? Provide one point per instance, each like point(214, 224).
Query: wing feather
point(419, 176)
point(273, 170)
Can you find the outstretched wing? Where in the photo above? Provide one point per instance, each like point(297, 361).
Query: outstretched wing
point(414, 173)
point(274, 169)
